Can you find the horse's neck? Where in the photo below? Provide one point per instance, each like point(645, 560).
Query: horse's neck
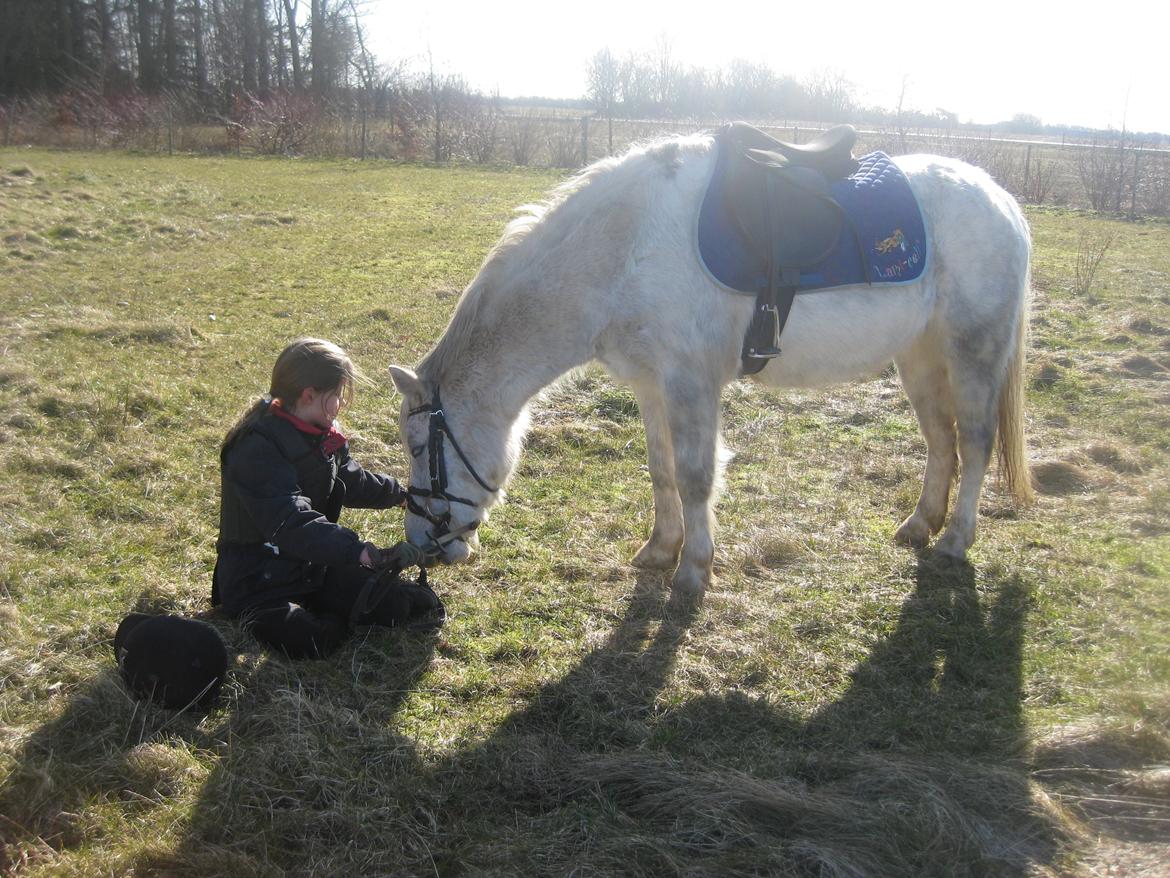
point(512, 352)
point(540, 301)
point(502, 381)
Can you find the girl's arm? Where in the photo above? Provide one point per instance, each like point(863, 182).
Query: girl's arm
point(367, 490)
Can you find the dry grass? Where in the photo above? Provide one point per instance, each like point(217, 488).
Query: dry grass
point(837, 706)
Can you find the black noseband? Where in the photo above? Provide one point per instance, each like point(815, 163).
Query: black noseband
point(437, 429)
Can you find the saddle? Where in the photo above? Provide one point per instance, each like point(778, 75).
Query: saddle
point(778, 195)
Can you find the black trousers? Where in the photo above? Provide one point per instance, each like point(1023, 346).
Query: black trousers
point(316, 624)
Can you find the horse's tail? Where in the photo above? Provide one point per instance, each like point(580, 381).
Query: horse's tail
point(1010, 444)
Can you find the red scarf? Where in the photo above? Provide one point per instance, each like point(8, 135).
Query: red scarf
point(334, 439)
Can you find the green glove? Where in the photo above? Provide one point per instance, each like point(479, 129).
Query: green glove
point(402, 554)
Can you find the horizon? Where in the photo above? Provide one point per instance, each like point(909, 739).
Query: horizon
point(535, 54)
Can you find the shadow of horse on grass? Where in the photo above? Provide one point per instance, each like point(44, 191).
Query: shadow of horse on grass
point(917, 769)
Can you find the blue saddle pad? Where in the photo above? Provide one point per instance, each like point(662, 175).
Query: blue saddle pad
point(882, 241)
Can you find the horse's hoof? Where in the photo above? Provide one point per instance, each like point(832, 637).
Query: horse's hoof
point(689, 585)
point(681, 607)
point(952, 547)
point(914, 532)
point(654, 557)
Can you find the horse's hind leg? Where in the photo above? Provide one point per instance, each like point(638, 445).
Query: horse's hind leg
point(666, 539)
point(976, 382)
point(924, 377)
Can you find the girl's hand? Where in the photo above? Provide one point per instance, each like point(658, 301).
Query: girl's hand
point(371, 556)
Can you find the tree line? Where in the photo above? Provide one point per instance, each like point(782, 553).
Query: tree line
point(654, 83)
point(208, 50)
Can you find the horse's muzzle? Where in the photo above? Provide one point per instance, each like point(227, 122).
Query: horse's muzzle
point(444, 541)
point(458, 551)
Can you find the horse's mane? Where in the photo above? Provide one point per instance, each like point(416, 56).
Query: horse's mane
point(567, 206)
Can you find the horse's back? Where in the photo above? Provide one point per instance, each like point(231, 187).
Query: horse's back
point(960, 200)
point(981, 244)
point(976, 272)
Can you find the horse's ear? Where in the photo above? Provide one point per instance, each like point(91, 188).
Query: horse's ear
point(406, 381)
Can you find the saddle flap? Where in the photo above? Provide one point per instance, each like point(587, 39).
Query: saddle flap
point(787, 211)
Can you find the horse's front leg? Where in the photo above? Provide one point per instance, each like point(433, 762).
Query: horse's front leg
point(666, 538)
point(693, 414)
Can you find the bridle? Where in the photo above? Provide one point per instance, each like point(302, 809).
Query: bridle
point(438, 428)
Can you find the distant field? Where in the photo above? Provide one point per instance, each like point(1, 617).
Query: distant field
point(837, 706)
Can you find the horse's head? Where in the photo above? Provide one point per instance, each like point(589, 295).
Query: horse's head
point(450, 468)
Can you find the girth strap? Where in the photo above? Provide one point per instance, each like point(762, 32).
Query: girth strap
point(788, 249)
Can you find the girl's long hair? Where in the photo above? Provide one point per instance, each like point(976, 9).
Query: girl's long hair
point(304, 363)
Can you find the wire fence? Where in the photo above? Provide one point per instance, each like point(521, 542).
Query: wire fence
point(1107, 172)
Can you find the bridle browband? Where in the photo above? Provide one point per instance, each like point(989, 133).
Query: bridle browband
point(437, 429)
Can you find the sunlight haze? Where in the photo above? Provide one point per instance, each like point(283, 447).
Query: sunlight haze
point(985, 62)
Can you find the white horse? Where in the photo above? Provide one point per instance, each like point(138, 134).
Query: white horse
point(607, 270)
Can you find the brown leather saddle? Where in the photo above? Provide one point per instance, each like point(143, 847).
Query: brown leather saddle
point(778, 195)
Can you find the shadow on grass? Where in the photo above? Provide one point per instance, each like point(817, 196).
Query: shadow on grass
point(273, 743)
point(917, 769)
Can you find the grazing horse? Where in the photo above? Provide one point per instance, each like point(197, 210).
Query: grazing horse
point(607, 270)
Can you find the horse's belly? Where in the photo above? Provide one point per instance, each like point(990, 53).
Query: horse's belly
point(836, 335)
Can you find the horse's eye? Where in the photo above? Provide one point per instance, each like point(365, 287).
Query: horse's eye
point(417, 450)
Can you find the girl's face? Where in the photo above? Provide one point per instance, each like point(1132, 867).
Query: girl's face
point(319, 407)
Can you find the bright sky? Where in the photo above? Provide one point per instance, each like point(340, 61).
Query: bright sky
point(1099, 65)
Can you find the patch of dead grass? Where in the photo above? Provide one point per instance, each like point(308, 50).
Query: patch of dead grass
point(1061, 477)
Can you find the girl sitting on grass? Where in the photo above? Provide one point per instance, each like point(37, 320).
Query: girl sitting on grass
point(296, 578)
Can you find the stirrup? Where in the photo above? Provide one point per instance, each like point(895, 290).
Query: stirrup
point(768, 351)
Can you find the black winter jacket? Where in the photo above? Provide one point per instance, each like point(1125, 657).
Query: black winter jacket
point(280, 500)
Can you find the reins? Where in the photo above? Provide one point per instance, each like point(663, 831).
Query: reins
point(437, 429)
point(374, 590)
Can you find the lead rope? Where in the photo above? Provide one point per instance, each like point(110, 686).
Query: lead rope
point(375, 589)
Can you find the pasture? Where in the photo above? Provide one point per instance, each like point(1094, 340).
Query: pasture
point(836, 706)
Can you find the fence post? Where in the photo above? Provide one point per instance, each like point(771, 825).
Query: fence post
point(1120, 174)
point(584, 140)
point(1027, 170)
point(1133, 186)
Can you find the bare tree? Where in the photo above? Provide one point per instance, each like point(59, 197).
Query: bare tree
point(317, 11)
point(635, 84)
point(602, 78)
point(665, 72)
point(830, 94)
point(294, 44)
point(366, 68)
point(748, 85)
point(250, 47)
point(263, 62)
point(900, 120)
point(202, 87)
point(170, 41)
point(147, 60)
point(1101, 166)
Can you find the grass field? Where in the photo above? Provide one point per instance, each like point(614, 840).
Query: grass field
point(837, 705)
